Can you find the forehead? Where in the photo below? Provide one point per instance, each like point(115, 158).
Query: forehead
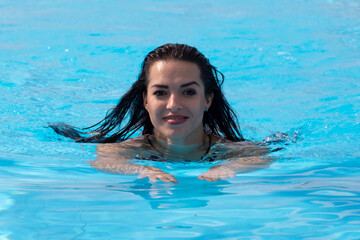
point(173, 71)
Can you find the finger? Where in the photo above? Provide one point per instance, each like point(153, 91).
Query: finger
point(214, 178)
point(141, 176)
point(224, 176)
point(153, 178)
point(208, 179)
point(201, 177)
point(164, 179)
point(173, 179)
point(232, 174)
point(170, 178)
point(205, 176)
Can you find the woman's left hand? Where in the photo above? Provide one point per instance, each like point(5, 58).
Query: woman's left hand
point(216, 173)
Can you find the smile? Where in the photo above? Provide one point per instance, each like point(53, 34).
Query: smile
point(175, 119)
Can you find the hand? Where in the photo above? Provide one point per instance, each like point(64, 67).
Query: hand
point(155, 173)
point(216, 173)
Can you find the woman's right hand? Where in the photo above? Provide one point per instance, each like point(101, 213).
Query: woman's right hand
point(155, 173)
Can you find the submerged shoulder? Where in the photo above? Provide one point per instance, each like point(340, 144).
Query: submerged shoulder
point(243, 148)
point(217, 139)
point(132, 143)
point(136, 140)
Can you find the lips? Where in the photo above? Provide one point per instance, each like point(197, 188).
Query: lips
point(175, 119)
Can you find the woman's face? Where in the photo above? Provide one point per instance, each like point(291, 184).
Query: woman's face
point(176, 101)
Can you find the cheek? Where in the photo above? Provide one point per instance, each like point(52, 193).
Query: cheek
point(199, 105)
point(153, 107)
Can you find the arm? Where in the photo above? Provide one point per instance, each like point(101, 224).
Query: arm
point(241, 165)
point(112, 158)
point(244, 157)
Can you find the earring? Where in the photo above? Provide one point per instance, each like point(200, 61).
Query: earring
point(206, 109)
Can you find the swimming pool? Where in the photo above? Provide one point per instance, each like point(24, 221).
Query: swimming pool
point(290, 66)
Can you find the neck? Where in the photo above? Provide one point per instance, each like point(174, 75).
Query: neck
point(181, 146)
point(181, 151)
point(196, 138)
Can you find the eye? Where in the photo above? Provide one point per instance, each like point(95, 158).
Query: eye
point(190, 92)
point(159, 93)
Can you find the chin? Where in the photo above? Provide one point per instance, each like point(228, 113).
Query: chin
point(173, 134)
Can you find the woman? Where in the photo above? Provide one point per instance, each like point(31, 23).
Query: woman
point(178, 103)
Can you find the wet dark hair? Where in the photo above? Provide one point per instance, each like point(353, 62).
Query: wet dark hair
point(220, 119)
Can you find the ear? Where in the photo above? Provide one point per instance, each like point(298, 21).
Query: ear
point(208, 101)
point(144, 100)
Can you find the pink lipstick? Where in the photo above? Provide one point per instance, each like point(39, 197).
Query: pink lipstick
point(175, 119)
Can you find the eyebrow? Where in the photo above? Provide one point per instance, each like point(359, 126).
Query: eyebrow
point(183, 85)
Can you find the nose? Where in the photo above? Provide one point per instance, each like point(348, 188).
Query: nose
point(174, 103)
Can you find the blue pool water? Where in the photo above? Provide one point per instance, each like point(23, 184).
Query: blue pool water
point(290, 66)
